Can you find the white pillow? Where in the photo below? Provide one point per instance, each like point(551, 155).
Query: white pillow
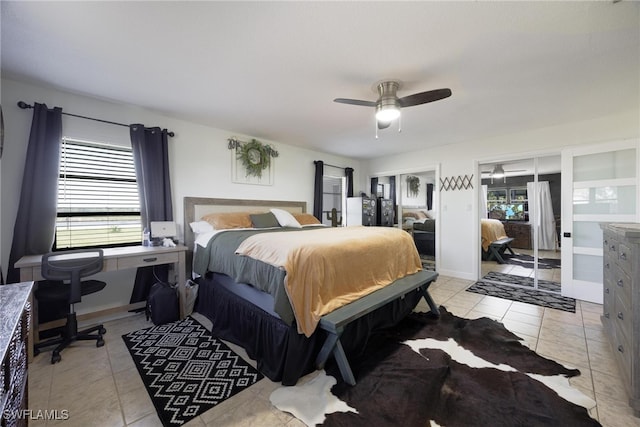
point(285, 219)
point(200, 227)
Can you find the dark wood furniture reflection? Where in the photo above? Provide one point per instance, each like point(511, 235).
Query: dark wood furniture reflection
point(520, 232)
point(14, 342)
point(384, 212)
point(361, 211)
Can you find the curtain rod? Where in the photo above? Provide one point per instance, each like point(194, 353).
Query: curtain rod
point(26, 106)
point(332, 166)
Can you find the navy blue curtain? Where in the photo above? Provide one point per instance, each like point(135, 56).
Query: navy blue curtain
point(34, 229)
point(151, 158)
point(392, 195)
point(348, 172)
point(374, 187)
point(317, 189)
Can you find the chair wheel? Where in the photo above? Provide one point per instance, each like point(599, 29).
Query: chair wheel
point(100, 343)
point(55, 358)
point(103, 331)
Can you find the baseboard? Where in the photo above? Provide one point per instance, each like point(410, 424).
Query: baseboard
point(108, 312)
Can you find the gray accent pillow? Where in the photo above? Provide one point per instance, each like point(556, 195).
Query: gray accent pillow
point(264, 220)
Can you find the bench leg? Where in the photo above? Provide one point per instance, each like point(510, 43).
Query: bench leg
point(497, 254)
point(326, 349)
point(333, 345)
point(343, 364)
point(435, 310)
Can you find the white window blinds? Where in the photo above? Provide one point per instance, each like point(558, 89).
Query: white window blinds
point(98, 202)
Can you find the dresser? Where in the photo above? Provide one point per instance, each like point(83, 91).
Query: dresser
point(385, 213)
point(621, 302)
point(521, 233)
point(14, 333)
point(361, 211)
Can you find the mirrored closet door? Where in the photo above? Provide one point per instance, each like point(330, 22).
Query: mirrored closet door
point(520, 223)
point(414, 202)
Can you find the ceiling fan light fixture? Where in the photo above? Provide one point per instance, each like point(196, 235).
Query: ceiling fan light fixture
point(387, 110)
point(498, 172)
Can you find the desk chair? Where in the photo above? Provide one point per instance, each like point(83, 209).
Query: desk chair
point(68, 268)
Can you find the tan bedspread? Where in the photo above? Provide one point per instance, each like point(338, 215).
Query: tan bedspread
point(492, 230)
point(330, 267)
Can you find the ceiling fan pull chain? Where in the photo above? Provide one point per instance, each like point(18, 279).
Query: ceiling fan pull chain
point(375, 124)
point(400, 124)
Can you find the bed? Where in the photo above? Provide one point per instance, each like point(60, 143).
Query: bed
point(248, 300)
point(494, 240)
point(423, 227)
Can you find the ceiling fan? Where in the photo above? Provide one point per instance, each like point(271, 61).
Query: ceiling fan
point(499, 172)
point(388, 104)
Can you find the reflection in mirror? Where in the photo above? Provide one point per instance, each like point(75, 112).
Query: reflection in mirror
point(523, 200)
point(415, 208)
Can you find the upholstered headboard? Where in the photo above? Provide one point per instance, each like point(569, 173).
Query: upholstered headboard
point(197, 207)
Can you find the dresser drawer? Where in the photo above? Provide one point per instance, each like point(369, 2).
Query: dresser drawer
point(148, 259)
point(622, 352)
point(623, 318)
point(625, 255)
point(622, 284)
point(608, 303)
point(610, 244)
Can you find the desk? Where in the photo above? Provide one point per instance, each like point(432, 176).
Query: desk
point(120, 258)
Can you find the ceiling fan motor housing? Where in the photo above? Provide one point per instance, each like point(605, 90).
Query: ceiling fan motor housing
point(387, 104)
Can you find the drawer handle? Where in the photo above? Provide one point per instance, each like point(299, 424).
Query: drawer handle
point(150, 259)
point(620, 316)
point(612, 247)
point(606, 315)
point(606, 242)
point(623, 256)
point(620, 283)
point(606, 291)
point(607, 266)
point(621, 348)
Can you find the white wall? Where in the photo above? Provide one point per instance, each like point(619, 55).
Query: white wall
point(200, 164)
point(458, 217)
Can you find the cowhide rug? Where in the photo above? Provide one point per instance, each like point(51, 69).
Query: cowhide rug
point(442, 372)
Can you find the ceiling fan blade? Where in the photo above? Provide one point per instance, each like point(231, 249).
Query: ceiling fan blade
point(424, 97)
point(383, 125)
point(355, 102)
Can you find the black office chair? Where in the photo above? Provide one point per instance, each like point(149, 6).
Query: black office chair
point(67, 269)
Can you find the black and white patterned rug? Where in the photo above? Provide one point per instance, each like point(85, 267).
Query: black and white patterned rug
point(519, 288)
point(186, 370)
point(526, 261)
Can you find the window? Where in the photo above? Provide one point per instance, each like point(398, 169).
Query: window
point(334, 195)
point(98, 202)
point(515, 207)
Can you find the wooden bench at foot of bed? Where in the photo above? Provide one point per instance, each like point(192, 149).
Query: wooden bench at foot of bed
point(335, 322)
point(497, 248)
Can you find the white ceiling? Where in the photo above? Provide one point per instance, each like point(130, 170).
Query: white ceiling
point(272, 69)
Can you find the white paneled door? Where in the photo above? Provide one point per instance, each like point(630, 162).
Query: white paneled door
point(599, 184)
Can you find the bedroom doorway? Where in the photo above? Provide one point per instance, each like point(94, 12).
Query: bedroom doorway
point(414, 195)
point(520, 202)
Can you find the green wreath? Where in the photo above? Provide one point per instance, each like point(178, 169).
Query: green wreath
point(255, 157)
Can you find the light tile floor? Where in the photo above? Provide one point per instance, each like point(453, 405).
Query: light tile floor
point(101, 386)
